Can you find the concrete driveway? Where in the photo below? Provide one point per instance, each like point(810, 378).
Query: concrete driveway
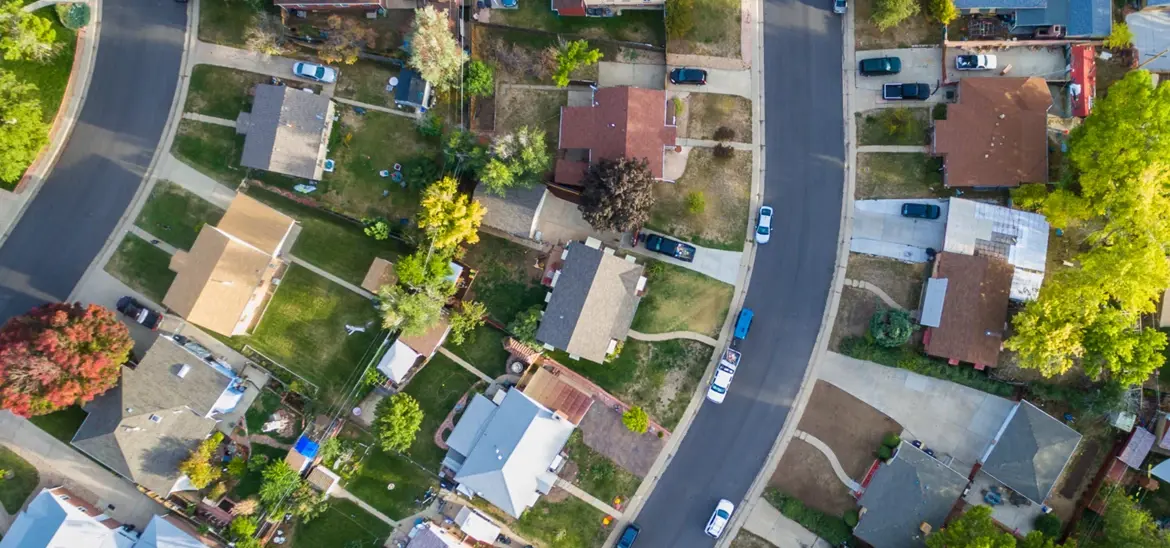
point(880, 229)
point(720, 264)
point(611, 74)
point(922, 65)
point(956, 421)
point(1047, 63)
point(730, 82)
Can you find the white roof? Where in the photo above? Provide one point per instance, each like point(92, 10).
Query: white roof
point(476, 526)
point(161, 533)
point(932, 303)
point(397, 361)
point(50, 522)
point(1018, 237)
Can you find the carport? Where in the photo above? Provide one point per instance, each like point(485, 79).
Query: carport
point(880, 229)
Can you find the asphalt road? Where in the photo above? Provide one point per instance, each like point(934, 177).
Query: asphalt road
point(727, 444)
point(105, 159)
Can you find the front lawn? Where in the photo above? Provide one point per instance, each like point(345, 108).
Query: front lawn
point(707, 113)
point(916, 30)
point(598, 475)
point(899, 175)
point(62, 424)
point(893, 126)
point(507, 282)
point(221, 91)
point(437, 387)
point(13, 492)
point(484, 348)
point(723, 185)
point(680, 299)
point(142, 266)
point(175, 215)
point(366, 81)
point(250, 484)
point(225, 22)
point(304, 330)
point(380, 469)
point(644, 26)
point(212, 150)
point(716, 32)
point(343, 524)
point(571, 523)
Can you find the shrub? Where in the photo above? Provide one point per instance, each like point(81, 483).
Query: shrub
point(833, 529)
point(1048, 524)
point(943, 11)
point(430, 125)
point(679, 18)
point(888, 13)
point(724, 151)
point(217, 491)
point(884, 452)
point(696, 202)
point(679, 106)
point(852, 517)
point(1121, 37)
point(237, 468)
point(378, 229)
point(73, 16)
point(891, 327)
point(939, 112)
point(636, 420)
point(891, 440)
point(480, 79)
point(724, 133)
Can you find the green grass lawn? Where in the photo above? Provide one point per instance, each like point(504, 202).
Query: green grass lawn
point(706, 113)
point(344, 524)
point(13, 492)
point(225, 22)
point(265, 405)
point(484, 348)
point(333, 243)
point(899, 175)
point(380, 469)
point(725, 185)
point(211, 149)
point(220, 91)
point(436, 387)
point(366, 81)
point(644, 26)
point(250, 484)
point(571, 523)
point(175, 215)
point(142, 266)
point(598, 475)
point(61, 424)
point(678, 299)
point(716, 32)
point(506, 283)
point(304, 330)
point(893, 126)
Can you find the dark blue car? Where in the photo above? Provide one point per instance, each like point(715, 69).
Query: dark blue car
point(695, 77)
point(628, 536)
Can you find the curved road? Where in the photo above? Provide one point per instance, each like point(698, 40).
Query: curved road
point(105, 159)
point(727, 444)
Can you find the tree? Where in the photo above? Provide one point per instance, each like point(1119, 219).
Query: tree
point(680, 18)
point(573, 55)
point(1121, 37)
point(73, 15)
point(250, 542)
point(246, 507)
point(1124, 523)
point(1048, 525)
point(449, 217)
point(523, 326)
point(25, 131)
point(306, 503)
point(521, 159)
point(636, 420)
point(237, 468)
point(479, 80)
point(1036, 539)
point(417, 273)
point(198, 467)
point(974, 529)
point(618, 194)
point(345, 39)
point(471, 315)
point(217, 491)
point(463, 154)
point(891, 327)
point(433, 50)
point(59, 355)
point(265, 34)
point(496, 177)
point(412, 312)
point(397, 420)
point(943, 11)
point(242, 527)
point(25, 35)
point(280, 480)
point(888, 13)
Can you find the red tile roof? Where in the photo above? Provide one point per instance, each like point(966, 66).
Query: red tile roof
point(546, 387)
point(623, 121)
point(569, 7)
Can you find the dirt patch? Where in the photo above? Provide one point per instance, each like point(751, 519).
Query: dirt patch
point(899, 175)
point(1081, 469)
point(901, 281)
point(806, 474)
point(517, 107)
point(744, 539)
point(716, 31)
point(483, 113)
point(724, 185)
point(854, 310)
point(557, 494)
point(602, 430)
point(849, 426)
point(707, 112)
point(916, 30)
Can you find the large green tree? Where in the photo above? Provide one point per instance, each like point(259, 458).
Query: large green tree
point(1123, 524)
point(414, 312)
point(520, 159)
point(974, 529)
point(25, 35)
point(433, 50)
point(573, 55)
point(24, 131)
point(198, 467)
point(397, 420)
point(449, 217)
point(618, 194)
point(280, 481)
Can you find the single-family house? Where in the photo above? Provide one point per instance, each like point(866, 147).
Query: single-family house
point(1019, 238)
point(907, 498)
point(592, 303)
point(965, 307)
point(517, 213)
point(161, 409)
point(601, 8)
point(506, 449)
point(412, 90)
point(621, 121)
point(556, 392)
point(331, 5)
point(1062, 18)
point(404, 352)
point(996, 136)
point(226, 279)
point(287, 131)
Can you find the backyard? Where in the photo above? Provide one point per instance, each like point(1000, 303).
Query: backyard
point(915, 30)
point(899, 175)
point(517, 107)
point(249, 484)
point(142, 266)
point(893, 126)
point(484, 348)
point(212, 149)
point(720, 186)
point(598, 475)
point(643, 26)
point(529, 57)
point(508, 280)
point(679, 299)
point(380, 469)
point(13, 492)
point(61, 424)
point(716, 31)
point(437, 387)
point(707, 113)
point(365, 81)
point(267, 403)
point(342, 524)
point(175, 215)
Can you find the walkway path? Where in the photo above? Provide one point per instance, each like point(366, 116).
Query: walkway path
point(828, 453)
point(42, 4)
point(720, 264)
point(862, 284)
point(707, 143)
point(268, 440)
point(280, 67)
point(767, 522)
point(592, 500)
point(174, 170)
point(326, 274)
point(341, 493)
point(463, 363)
point(209, 119)
point(893, 148)
point(170, 249)
point(378, 108)
point(689, 335)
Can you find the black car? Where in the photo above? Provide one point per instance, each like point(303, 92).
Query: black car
point(880, 66)
point(690, 76)
point(628, 536)
point(139, 313)
point(673, 248)
point(905, 92)
point(921, 211)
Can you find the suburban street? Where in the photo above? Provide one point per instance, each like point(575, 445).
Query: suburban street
point(105, 159)
point(727, 444)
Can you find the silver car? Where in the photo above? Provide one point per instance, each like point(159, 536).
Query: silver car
point(839, 6)
point(315, 72)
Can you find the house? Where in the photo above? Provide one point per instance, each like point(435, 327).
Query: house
point(1151, 35)
point(330, 5)
point(592, 304)
point(600, 8)
point(555, 392)
point(287, 131)
point(412, 91)
point(996, 136)
point(161, 409)
point(1019, 238)
point(57, 517)
point(622, 121)
point(965, 309)
point(405, 351)
point(907, 498)
point(505, 450)
point(1075, 18)
point(515, 213)
point(223, 283)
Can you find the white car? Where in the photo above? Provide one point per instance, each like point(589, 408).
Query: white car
point(724, 373)
point(720, 518)
point(976, 62)
point(315, 72)
point(764, 225)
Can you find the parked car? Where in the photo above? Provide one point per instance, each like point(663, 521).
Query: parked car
point(976, 62)
point(880, 66)
point(688, 76)
point(315, 72)
point(743, 323)
point(667, 246)
point(921, 211)
point(719, 518)
point(628, 536)
point(764, 225)
point(724, 373)
point(139, 313)
point(906, 92)
point(839, 6)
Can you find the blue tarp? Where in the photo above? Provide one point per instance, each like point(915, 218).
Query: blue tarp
point(307, 447)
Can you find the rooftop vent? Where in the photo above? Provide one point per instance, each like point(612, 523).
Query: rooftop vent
point(155, 419)
point(183, 371)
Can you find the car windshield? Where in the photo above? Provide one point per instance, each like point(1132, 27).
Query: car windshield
point(722, 513)
point(715, 387)
point(762, 230)
point(320, 72)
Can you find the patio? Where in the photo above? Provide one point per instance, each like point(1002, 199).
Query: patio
point(1013, 511)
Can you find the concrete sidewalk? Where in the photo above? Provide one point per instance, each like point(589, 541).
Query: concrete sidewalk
point(174, 170)
point(768, 523)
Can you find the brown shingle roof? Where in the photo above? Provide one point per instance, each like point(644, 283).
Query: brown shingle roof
point(381, 273)
point(623, 121)
point(428, 342)
point(256, 224)
point(974, 309)
point(548, 389)
point(995, 136)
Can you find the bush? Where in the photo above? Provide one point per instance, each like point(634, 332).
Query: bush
point(891, 327)
point(724, 151)
point(943, 11)
point(724, 133)
point(939, 112)
point(679, 106)
point(884, 452)
point(480, 79)
point(696, 202)
point(888, 13)
point(430, 125)
point(636, 420)
point(1048, 524)
point(891, 440)
point(912, 360)
point(73, 16)
point(833, 529)
point(1121, 37)
point(852, 517)
point(679, 18)
point(378, 229)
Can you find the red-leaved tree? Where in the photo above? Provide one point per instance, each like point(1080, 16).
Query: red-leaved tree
point(60, 354)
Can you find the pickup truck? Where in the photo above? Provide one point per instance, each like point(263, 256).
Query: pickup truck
point(906, 92)
point(666, 246)
point(976, 62)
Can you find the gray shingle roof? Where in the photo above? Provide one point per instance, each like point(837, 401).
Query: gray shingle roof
point(594, 285)
point(1031, 453)
point(287, 131)
point(119, 433)
point(516, 212)
point(1090, 18)
point(412, 89)
point(911, 489)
